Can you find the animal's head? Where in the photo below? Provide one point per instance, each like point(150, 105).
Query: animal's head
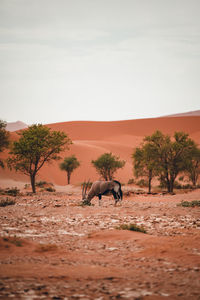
point(84, 192)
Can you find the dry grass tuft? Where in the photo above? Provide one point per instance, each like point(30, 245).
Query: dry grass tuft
point(46, 247)
point(190, 203)
point(132, 227)
point(6, 202)
point(12, 240)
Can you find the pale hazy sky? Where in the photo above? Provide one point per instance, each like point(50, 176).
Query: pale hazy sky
point(63, 60)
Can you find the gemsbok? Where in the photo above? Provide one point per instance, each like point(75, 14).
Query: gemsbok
point(100, 188)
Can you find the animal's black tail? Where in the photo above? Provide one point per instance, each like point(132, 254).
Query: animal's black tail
point(120, 190)
point(117, 182)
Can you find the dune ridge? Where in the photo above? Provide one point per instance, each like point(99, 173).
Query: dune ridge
point(14, 126)
point(186, 114)
point(138, 127)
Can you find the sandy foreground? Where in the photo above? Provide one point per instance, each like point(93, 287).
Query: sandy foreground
point(52, 248)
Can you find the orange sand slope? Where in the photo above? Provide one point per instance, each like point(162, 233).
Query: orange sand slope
point(91, 139)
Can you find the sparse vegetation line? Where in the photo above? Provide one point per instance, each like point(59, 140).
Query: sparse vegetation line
point(132, 227)
point(6, 202)
point(36, 146)
point(190, 203)
point(162, 157)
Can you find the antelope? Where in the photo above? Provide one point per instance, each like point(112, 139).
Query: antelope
point(100, 188)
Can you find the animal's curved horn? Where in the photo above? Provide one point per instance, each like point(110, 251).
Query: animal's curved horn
point(84, 188)
point(87, 185)
point(83, 192)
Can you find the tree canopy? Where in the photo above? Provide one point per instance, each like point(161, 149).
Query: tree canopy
point(164, 156)
point(145, 163)
point(193, 166)
point(36, 146)
point(107, 164)
point(4, 139)
point(69, 164)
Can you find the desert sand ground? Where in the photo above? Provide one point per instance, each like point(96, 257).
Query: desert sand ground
point(53, 248)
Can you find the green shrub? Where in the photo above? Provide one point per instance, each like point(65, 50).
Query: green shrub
point(131, 181)
point(86, 203)
point(6, 202)
point(46, 247)
point(41, 184)
point(177, 185)
point(14, 191)
point(190, 203)
point(13, 240)
point(187, 186)
point(132, 227)
point(142, 183)
point(50, 189)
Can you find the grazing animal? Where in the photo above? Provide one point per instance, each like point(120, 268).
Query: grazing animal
point(100, 188)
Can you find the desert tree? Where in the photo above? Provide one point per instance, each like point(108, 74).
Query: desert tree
point(193, 165)
point(107, 164)
point(69, 164)
point(172, 155)
point(145, 163)
point(4, 139)
point(36, 146)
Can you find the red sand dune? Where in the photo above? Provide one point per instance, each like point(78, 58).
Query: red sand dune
point(14, 126)
point(186, 114)
point(91, 139)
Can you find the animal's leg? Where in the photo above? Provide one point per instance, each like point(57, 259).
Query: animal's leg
point(115, 197)
point(119, 197)
point(99, 199)
point(121, 194)
point(118, 192)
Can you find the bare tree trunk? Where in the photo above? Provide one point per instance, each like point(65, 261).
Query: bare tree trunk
point(150, 178)
point(168, 184)
point(32, 176)
point(194, 177)
point(68, 177)
point(171, 184)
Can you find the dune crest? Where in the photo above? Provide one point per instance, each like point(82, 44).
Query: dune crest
point(14, 126)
